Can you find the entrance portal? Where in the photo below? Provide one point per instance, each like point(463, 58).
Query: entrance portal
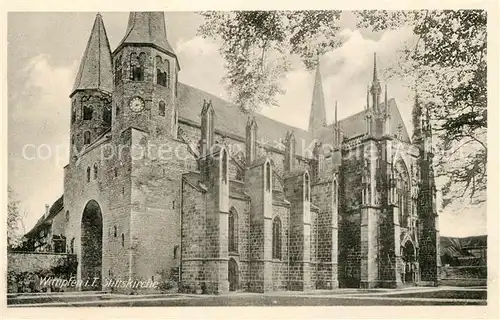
point(409, 261)
point(233, 275)
point(91, 246)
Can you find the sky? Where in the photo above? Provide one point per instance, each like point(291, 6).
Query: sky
point(43, 57)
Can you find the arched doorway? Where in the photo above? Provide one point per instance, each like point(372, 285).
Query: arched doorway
point(91, 246)
point(409, 260)
point(233, 275)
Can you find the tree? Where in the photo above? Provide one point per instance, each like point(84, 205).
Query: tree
point(15, 223)
point(447, 62)
point(259, 46)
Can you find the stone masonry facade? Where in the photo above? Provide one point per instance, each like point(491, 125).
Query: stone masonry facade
point(168, 183)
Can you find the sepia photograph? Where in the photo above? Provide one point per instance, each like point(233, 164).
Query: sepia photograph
point(247, 158)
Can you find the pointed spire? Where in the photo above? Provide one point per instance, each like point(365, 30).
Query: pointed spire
point(367, 97)
point(317, 117)
point(147, 28)
point(95, 70)
point(336, 119)
point(375, 89)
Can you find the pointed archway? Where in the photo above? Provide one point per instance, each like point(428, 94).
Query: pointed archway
point(409, 260)
point(91, 247)
point(233, 275)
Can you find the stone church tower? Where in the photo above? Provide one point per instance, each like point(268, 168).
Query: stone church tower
point(168, 183)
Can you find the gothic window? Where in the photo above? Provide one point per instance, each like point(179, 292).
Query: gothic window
point(67, 215)
point(73, 140)
point(123, 240)
point(95, 171)
point(114, 231)
point(161, 108)
point(88, 174)
point(117, 112)
point(162, 71)
point(307, 188)
point(87, 112)
point(86, 137)
point(137, 66)
point(277, 238)
point(107, 116)
point(73, 115)
point(115, 172)
point(403, 194)
point(233, 230)
point(224, 166)
point(268, 176)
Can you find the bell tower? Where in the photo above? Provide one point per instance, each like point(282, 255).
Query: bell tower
point(145, 77)
point(91, 94)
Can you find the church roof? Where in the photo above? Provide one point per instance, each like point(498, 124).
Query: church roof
point(147, 28)
point(355, 125)
point(229, 119)
point(95, 70)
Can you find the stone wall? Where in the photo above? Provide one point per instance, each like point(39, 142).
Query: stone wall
point(24, 268)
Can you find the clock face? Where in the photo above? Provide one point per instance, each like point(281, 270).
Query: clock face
point(137, 104)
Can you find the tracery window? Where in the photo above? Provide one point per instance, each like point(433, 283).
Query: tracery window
point(277, 238)
point(233, 230)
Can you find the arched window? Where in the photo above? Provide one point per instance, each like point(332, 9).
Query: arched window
point(224, 166)
point(67, 215)
point(137, 66)
point(118, 70)
point(403, 195)
point(72, 246)
point(73, 140)
point(161, 108)
point(115, 232)
point(73, 115)
point(268, 176)
point(87, 112)
point(88, 174)
point(115, 172)
point(233, 230)
point(307, 187)
point(95, 171)
point(277, 238)
point(123, 240)
point(86, 137)
point(162, 71)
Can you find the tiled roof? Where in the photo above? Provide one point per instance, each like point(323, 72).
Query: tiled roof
point(56, 207)
point(95, 70)
point(229, 119)
point(147, 27)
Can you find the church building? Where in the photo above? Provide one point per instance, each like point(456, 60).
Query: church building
point(168, 183)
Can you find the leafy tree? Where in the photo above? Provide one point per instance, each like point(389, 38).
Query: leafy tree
point(259, 47)
point(447, 61)
point(15, 223)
